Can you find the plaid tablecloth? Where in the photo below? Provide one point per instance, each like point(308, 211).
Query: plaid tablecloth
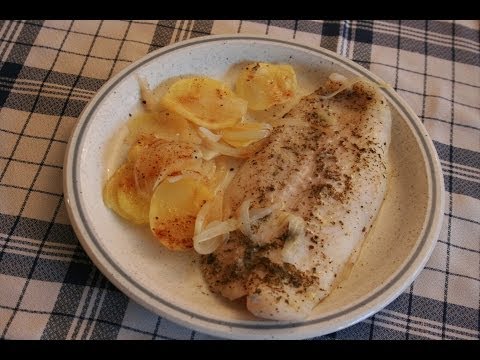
point(49, 289)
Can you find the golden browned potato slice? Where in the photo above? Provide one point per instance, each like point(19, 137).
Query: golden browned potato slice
point(206, 102)
point(264, 85)
point(157, 160)
point(141, 142)
point(121, 196)
point(164, 124)
point(173, 210)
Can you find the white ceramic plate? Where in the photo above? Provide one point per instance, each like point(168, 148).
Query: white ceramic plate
point(171, 284)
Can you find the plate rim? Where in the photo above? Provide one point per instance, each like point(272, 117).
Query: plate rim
point(379, 298)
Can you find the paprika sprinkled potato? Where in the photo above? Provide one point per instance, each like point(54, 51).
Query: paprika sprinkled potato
point(206, 102)
point(263, 85)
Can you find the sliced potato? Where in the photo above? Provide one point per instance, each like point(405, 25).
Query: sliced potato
point(206, 102)
point(142, 142)
point(164, 124)
point(121, 196)
point(131, 203)
point(173, 210)
point(160, 159)
point(264, 85)
point(244, 134)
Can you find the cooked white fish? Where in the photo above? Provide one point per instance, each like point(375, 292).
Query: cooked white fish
point(324, 174)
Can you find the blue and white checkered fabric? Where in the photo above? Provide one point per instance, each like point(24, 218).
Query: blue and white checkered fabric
point(49, 70)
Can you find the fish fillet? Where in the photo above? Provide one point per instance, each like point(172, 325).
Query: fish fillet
point(325, 167)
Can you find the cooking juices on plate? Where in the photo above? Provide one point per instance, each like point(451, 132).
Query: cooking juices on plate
point(275, 190)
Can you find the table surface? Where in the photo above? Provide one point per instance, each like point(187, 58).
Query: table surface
point(49, 70)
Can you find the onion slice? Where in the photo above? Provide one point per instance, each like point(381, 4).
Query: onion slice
point(175, 178)
point(208, 134)
point(147, 94)
point(257, 214)
point(345, 85)
point(200, 219)
point(219, 228)
point(244, 218)
point(209, 246)
point(223, 149)
point(208, 154)
point(245, 134)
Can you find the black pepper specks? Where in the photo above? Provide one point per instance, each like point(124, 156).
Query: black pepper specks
point(327, 163)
